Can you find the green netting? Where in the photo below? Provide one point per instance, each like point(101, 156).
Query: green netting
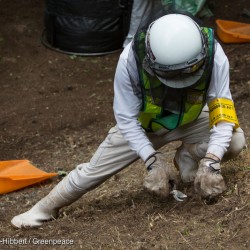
point(192, 6)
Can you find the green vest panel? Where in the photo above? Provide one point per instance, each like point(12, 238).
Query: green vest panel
point(170, 108)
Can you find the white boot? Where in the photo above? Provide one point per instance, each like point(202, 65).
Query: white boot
point(48, 207)
point(187, 158)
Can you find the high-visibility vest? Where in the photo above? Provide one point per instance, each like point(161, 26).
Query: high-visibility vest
point(178, 106)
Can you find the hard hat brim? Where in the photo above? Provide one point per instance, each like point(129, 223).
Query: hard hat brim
point(183, 80)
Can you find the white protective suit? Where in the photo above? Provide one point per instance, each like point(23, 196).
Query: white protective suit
point(127, 141)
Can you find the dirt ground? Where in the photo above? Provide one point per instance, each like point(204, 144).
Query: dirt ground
point(56, 109)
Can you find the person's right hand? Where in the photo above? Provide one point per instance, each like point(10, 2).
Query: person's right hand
point(209, 182)
point(161, 177)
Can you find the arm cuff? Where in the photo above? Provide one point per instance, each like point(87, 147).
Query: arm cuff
point(145, 152)
point(216, 150)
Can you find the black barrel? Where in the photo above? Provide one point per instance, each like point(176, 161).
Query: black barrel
point(86, 26)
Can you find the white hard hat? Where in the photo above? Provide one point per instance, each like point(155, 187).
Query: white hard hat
point(176, 50)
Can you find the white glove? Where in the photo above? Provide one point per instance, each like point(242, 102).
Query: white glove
point(161, 177)
point(209, 182)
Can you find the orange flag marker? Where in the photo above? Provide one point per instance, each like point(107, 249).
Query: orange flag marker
point(17, 174)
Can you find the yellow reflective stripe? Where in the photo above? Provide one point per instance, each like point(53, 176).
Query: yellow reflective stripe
point(146, 81)
point(155, 126)
point(151, 111)
point(145, 119)
point(192, 114)
point(221, 109)
point(150, 107)
point(193, 106)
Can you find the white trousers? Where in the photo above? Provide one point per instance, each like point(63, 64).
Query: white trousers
point(114, 153)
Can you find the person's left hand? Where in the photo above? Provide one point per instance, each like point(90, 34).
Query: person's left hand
point(209, 182)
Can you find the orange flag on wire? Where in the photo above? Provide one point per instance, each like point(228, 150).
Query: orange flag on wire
point(17, 174)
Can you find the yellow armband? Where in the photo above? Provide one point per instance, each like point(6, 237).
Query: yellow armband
point(221, 109)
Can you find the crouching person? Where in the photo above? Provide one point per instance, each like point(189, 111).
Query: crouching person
point(171, 84)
